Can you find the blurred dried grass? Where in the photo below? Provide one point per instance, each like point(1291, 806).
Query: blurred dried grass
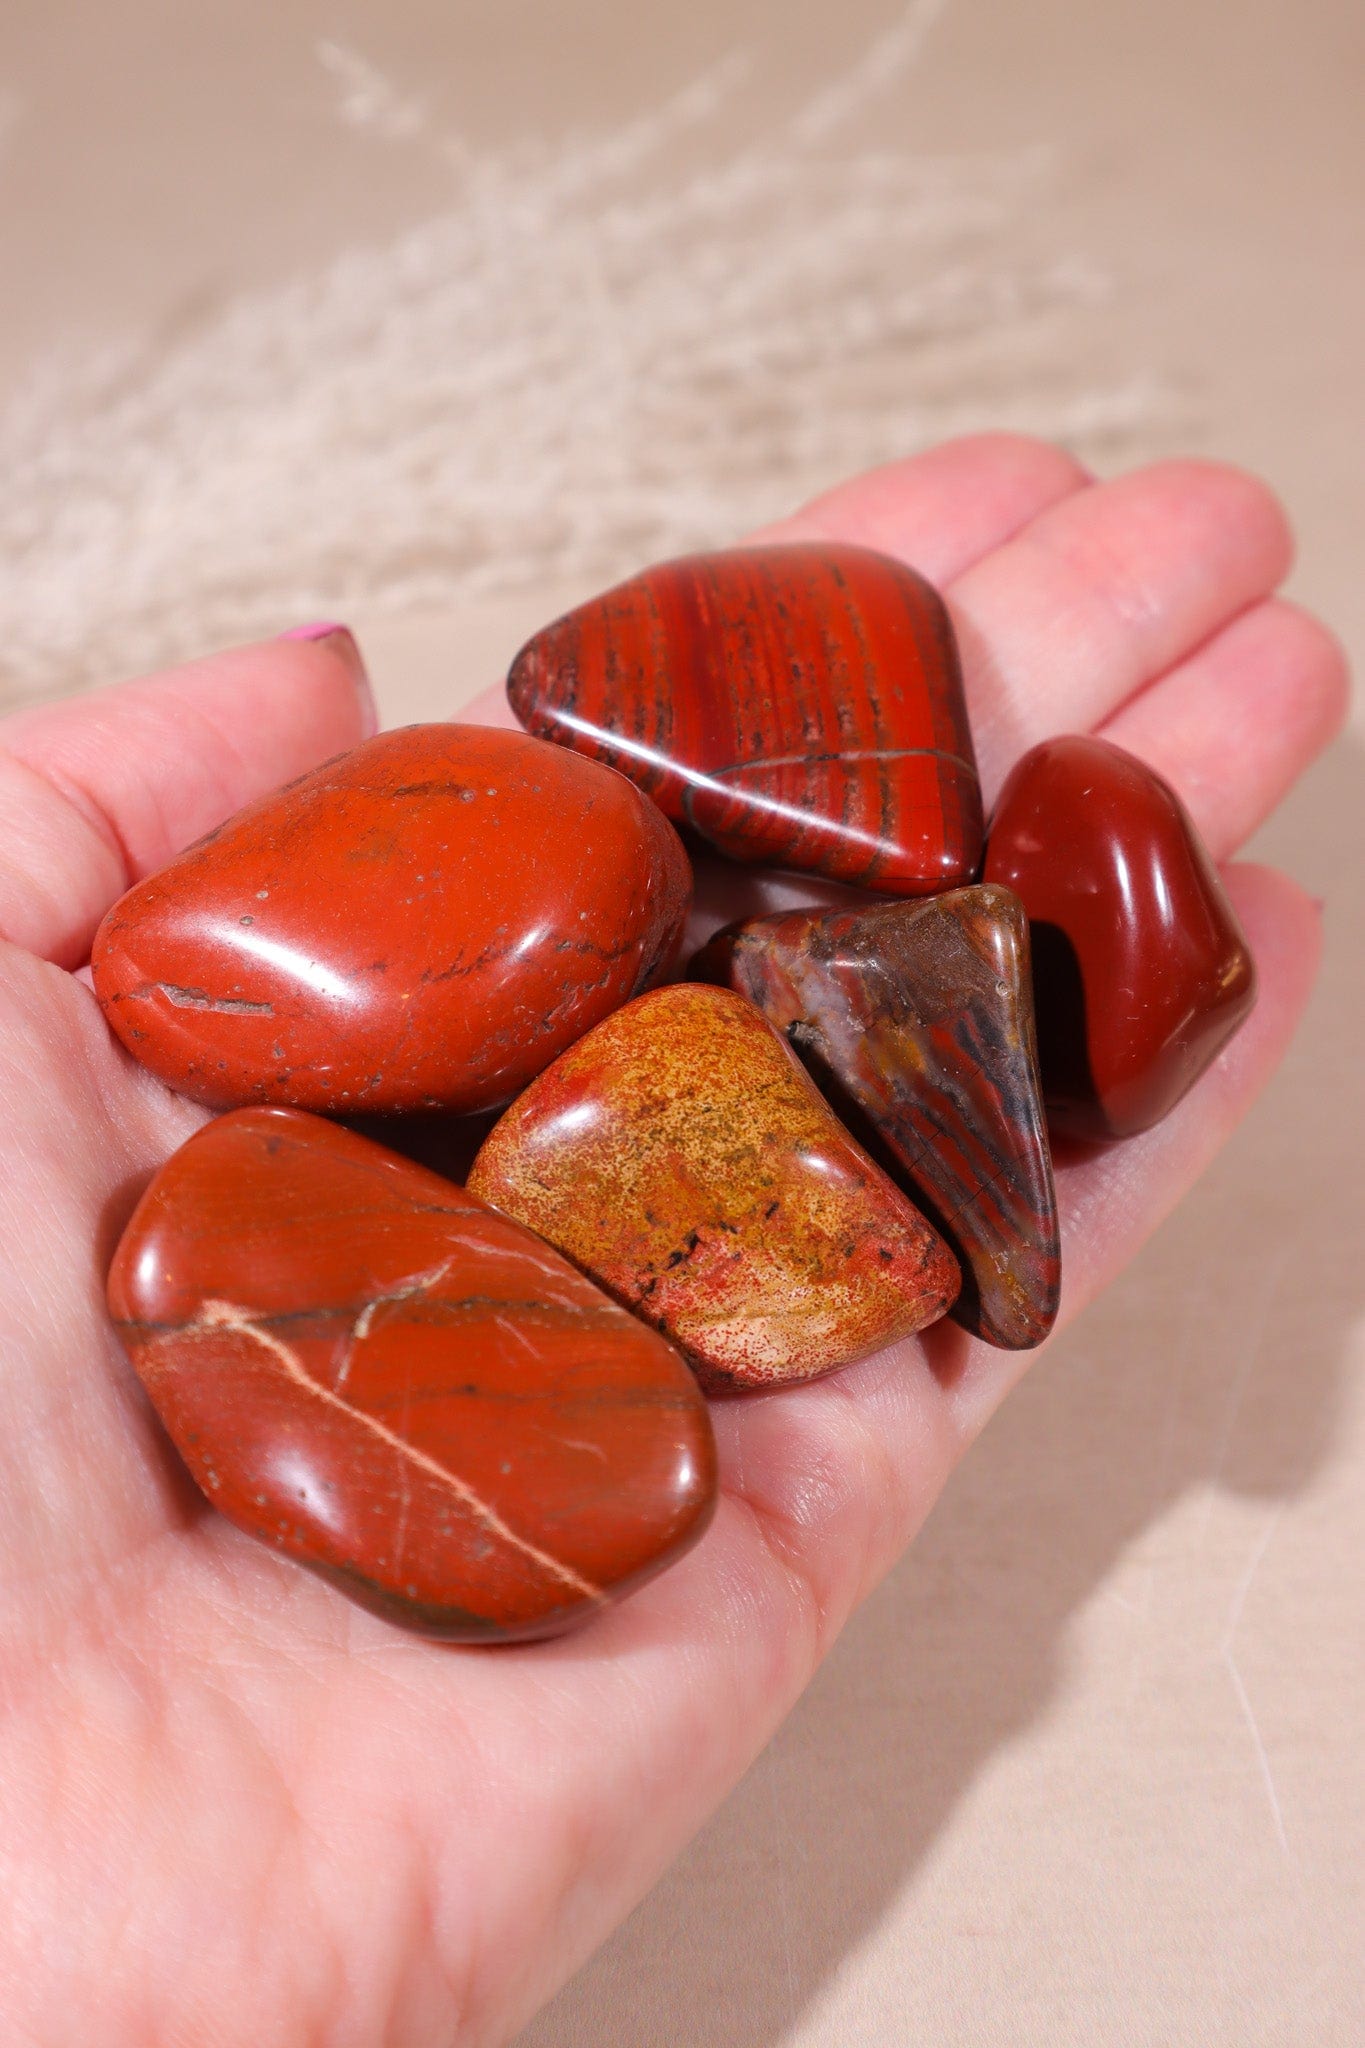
point(607, 348)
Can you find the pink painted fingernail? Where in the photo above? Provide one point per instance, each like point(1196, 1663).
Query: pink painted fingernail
point(328, 629)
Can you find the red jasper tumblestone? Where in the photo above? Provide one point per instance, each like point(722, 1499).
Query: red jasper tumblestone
point(423, 923)
point(1141, 970)
point(373, 1372)
point(796, 705)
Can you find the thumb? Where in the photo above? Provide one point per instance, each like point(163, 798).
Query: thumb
point(101, 790)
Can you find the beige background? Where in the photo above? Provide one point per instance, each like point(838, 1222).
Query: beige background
point(1089, 1768)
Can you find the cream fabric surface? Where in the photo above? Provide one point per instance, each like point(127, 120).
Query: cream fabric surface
point(435, 316)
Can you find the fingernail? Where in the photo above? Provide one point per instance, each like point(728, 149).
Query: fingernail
point(329, 629)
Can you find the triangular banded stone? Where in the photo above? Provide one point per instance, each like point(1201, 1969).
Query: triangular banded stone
point(798, 705)
point(921, 1015)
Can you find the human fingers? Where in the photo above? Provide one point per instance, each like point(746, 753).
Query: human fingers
point(940, 511)
point(1103, 593)
point(100, 790)
point(1234, 726)
point(946, 508)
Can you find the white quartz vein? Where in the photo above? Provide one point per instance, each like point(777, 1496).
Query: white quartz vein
point(216, 1316)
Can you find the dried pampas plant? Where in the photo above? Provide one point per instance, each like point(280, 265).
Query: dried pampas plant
point(589, 359)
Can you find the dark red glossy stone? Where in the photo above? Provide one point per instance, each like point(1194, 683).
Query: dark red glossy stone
point(421, 924)
point(1141, 970)
point(368, 1369)
point(796, 705)
point(681, 1155)
point(920, 1016)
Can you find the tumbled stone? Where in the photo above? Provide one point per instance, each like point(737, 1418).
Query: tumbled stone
point(796, 705)
point(920, 1015)
point(372, 1372)
point(1141, 970)
point(681, 1155)
point(420, 924)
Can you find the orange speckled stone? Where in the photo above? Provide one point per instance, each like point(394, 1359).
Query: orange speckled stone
point(421, 924)
point(372, 1372)
point(681, 1156)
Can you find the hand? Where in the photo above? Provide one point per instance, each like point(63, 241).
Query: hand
point(233, 1807)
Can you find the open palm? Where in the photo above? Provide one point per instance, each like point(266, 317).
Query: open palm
point(235, 1809)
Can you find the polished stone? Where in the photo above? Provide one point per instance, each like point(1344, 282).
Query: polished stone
point(1141, 970)
point(423, 923)
point(369, 1370)
point(920, 1016)
point(681, 1156)
point(799, 706)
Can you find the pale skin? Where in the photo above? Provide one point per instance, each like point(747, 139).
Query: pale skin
point(236, 1811)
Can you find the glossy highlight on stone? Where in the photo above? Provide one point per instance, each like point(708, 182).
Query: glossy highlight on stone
point(423, 923)
point(1141, 970)
point(799, 706)
point(372, 1372)
point(921, 1016)
point(681, 1155)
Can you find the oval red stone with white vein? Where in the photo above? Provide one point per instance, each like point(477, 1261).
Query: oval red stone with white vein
point(372, 1371)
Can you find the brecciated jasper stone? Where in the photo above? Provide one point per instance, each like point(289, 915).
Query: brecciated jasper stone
point(921, 1016)
point(368, 1369)
point(796, 705)
point(681, 1156)
point(1141, 970)
point(420, 924)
